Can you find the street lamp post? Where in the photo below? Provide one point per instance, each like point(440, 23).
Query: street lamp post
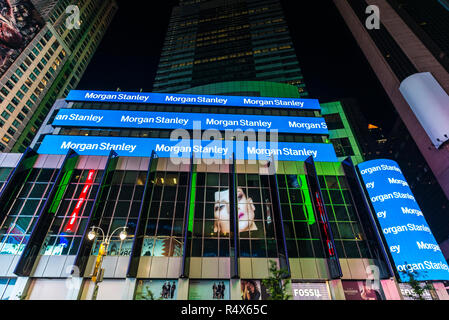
point(97, 275)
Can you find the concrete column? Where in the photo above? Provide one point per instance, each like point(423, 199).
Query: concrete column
point(336, 290)
point(183, 289)
point(20, 290)
point(129, 288)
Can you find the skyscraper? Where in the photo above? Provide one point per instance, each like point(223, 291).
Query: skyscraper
point(55, 50)
point(218, 41)
point(411, 39)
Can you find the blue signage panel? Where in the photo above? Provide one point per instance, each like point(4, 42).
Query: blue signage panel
point(189, 121)
point(191, 99)
point(411, 243)
point(165, 148)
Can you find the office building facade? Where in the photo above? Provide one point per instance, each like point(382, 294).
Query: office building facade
point(51, 59)
point(209, 220)
point(221, 41)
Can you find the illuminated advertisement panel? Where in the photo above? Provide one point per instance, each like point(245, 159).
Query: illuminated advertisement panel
point(252, 290)
point(19, 23)
point(191, 99)
point(310, 291)
point(410, 241)
point(156, 289)
point(188, 121)
point(209, 290)
point(358, 290)
point(166, 148)
point(408, 293)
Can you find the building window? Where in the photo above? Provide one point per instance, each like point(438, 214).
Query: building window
point(11, 131)
point(349, 237)
point(5, 115)
point(165, 217)
point(333, 121)
point(4, 91)
point(300, 226)
point(15, 230)
point(342, 147)
point(69, 225)
point(10, 108)
point(6, 138)
point(121, 209)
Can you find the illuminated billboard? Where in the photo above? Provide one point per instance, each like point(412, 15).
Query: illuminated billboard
point(409, 238)
point(19, 23)
point(188, 121)
point(191, 99)
point(206, 149)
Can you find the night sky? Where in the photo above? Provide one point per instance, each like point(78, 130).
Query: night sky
point(333, 65)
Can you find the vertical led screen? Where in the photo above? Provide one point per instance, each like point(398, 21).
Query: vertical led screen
point(410, 241)
point(19, 23)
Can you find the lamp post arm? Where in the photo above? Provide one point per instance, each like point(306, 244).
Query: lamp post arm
point(110, 236)
point(102, 232)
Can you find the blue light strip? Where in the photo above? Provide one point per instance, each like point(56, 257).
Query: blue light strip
point(190, 99)
point(188, 121)
point(206, 149)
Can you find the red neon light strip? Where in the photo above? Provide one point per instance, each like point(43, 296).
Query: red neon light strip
point(323, 220)
point(81, 199)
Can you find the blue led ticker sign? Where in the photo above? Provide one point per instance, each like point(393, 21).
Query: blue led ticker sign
point(202, 149)
point(406, 232)
point(190, 99)
point(188, 121)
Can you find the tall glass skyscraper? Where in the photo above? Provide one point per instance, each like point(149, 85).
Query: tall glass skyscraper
point(44, 58)
point(218, 41)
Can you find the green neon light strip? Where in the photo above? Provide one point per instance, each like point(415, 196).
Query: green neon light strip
point(61, 190)
point(192, 199)
point(310, 216)
point(70, 166)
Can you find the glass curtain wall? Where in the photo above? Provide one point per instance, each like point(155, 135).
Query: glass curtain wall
point(165, 217)
point(15, 230)
point(68, 226)
point(121, 209)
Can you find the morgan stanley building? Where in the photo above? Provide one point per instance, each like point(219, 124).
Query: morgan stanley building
point(208, 189)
